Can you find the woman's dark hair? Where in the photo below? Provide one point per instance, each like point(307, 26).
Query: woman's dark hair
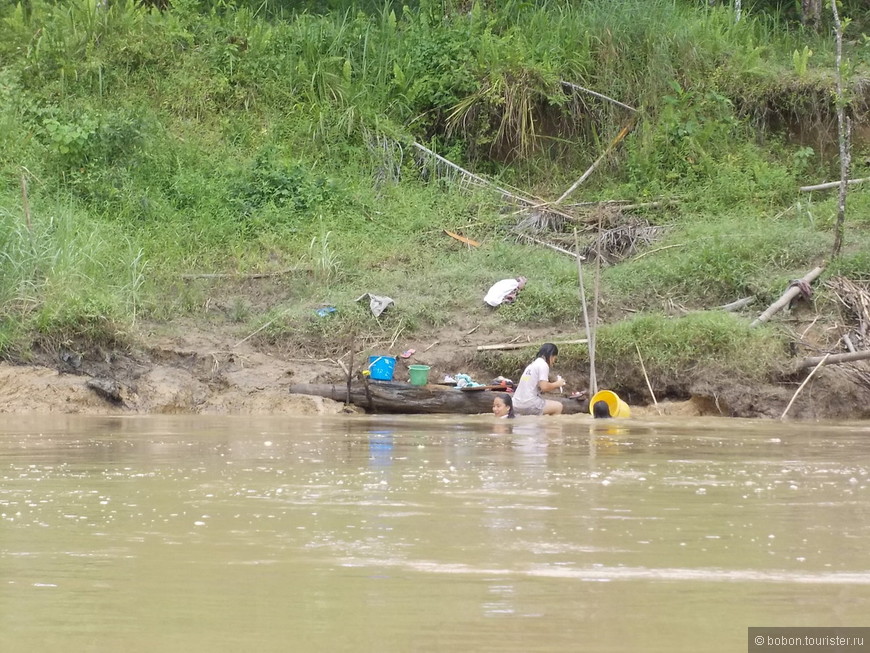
point(600, 409)
point(509, 402)
point(547, 349)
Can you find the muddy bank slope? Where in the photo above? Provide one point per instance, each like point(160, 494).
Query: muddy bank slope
point(196, 372)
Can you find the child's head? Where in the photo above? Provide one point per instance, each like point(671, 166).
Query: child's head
point(503, 405)
point(600, 409)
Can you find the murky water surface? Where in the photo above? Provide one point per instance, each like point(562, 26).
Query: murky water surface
point(383, 534)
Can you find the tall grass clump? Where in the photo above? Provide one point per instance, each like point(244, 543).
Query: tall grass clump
point(686, 348)
point(714, 263)
point(68, 279)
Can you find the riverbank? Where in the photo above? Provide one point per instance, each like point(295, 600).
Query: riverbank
point(187, 370)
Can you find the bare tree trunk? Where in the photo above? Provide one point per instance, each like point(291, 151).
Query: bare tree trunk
point(843, 129)
point(811, 14)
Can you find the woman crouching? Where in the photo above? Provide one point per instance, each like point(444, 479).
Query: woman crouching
point(527, 398)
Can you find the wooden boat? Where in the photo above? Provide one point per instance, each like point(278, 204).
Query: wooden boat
point(390, 397)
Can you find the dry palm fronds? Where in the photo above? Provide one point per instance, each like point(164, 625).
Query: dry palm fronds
point(623, 241)
point(855, 299)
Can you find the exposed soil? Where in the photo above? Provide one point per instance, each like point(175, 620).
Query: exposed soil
point(209, 372)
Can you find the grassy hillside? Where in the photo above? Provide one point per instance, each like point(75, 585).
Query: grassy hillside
point(138, 146)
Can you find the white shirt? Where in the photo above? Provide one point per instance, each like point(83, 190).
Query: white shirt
point(499, 290)
point(528, 388)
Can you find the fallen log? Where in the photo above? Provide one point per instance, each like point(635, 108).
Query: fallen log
point(836, 358)
point(787, 296)
point(384, 397)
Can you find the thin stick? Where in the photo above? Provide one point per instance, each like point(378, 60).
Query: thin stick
point(583, 305)
point(801, 387)
point(622, 134)
point(596, 94)
point(658, 249)
point(430, 347)
point(251, 335)
point(648, 384)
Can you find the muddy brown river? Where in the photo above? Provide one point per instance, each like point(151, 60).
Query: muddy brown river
point(381, 534)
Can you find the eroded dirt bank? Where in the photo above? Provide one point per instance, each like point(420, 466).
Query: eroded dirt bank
point(207, 373)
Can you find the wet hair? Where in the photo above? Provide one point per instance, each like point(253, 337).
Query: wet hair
point(509, 402)
point(600, 409)
point(547, 350)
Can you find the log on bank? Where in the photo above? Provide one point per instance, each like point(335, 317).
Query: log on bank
point(384, 397)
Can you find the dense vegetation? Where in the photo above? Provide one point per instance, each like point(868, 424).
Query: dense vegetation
point(141, 144)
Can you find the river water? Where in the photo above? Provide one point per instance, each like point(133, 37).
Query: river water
point(382, 534)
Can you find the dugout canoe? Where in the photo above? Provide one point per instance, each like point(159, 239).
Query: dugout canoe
point(390, 397)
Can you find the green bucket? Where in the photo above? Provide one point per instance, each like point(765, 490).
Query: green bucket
point(419, 374)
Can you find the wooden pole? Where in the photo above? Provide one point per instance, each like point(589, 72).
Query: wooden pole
point(835, 358)
point(787, 296)
point(583, 305)
point(592, 342)
point(801, 387)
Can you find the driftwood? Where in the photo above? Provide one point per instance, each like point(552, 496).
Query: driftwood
point(832, 184)
point(829, 359)
point(381, 397)
point(789, 294)
point(521, 345)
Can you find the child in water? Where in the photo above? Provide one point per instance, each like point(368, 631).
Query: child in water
point(503, 406)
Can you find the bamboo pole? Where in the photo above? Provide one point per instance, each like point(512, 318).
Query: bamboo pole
point(577, 87)
point(592, 374)
point(787, 296)
point(645, 376)
point(622, 134)
point(592, 342)
point(835, 358)
point(801, 387)
point(832, 184)
point(535, 202)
